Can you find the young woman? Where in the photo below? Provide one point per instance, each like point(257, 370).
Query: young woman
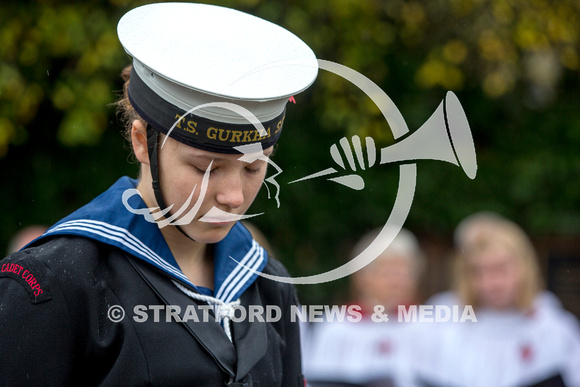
point(519, 339)
point(155, 282)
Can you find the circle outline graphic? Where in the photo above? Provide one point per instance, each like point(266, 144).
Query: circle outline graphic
point(405, 190)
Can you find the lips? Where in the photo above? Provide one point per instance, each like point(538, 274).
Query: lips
point(211, 220)
point(218, 216)
point(215, 215)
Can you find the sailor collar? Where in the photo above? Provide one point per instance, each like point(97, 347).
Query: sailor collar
point(237, 258)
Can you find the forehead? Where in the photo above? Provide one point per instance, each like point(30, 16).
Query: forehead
point(195, 153)
point(493, 255)
point(387, 262)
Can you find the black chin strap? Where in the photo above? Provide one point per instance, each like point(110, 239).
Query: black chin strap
point(152, 149)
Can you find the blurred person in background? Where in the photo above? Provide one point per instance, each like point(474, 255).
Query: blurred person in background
point(24, 237)
point(369, 352)
point(521, 337)
point(466, 233)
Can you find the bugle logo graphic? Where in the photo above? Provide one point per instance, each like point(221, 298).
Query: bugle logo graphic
point(445, 136)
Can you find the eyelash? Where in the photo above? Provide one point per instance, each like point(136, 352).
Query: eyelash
point(251, 171)
point(202, 171)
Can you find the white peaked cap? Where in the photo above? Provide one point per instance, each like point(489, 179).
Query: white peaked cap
point(193, 54)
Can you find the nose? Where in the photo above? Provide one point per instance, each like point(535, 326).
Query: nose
point(231, 192)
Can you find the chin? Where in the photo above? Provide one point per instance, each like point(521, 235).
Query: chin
point(499, 304)
point(211, 233)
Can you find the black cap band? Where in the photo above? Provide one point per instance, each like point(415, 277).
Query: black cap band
point(194, 130)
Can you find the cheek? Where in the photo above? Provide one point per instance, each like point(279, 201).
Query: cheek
point(513, 279)
point(252, 187)
point(171, 175)
point(177, 185)
point(479, 280)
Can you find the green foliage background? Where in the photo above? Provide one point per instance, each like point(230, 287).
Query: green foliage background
point(514, 65)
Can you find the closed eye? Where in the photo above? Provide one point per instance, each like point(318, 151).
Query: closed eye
point(253, 171)
point(202, 171)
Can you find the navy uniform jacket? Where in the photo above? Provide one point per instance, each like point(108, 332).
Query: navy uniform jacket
point(59, 296)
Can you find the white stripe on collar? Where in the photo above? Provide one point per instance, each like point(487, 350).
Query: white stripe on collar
point(237, 257)
point(128, 242)
point(248, 273)
point(123, 239)
point(236, 272)
point(237, 278)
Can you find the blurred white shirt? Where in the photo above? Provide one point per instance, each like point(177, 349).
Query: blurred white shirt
point(507, 348)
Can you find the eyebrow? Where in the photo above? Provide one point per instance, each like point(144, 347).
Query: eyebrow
point(214, 158)
point(207, 157)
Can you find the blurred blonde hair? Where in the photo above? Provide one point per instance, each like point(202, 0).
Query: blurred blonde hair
point(503, 233)
point(468, 229)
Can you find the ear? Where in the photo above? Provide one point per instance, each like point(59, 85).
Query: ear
point(139, 141)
